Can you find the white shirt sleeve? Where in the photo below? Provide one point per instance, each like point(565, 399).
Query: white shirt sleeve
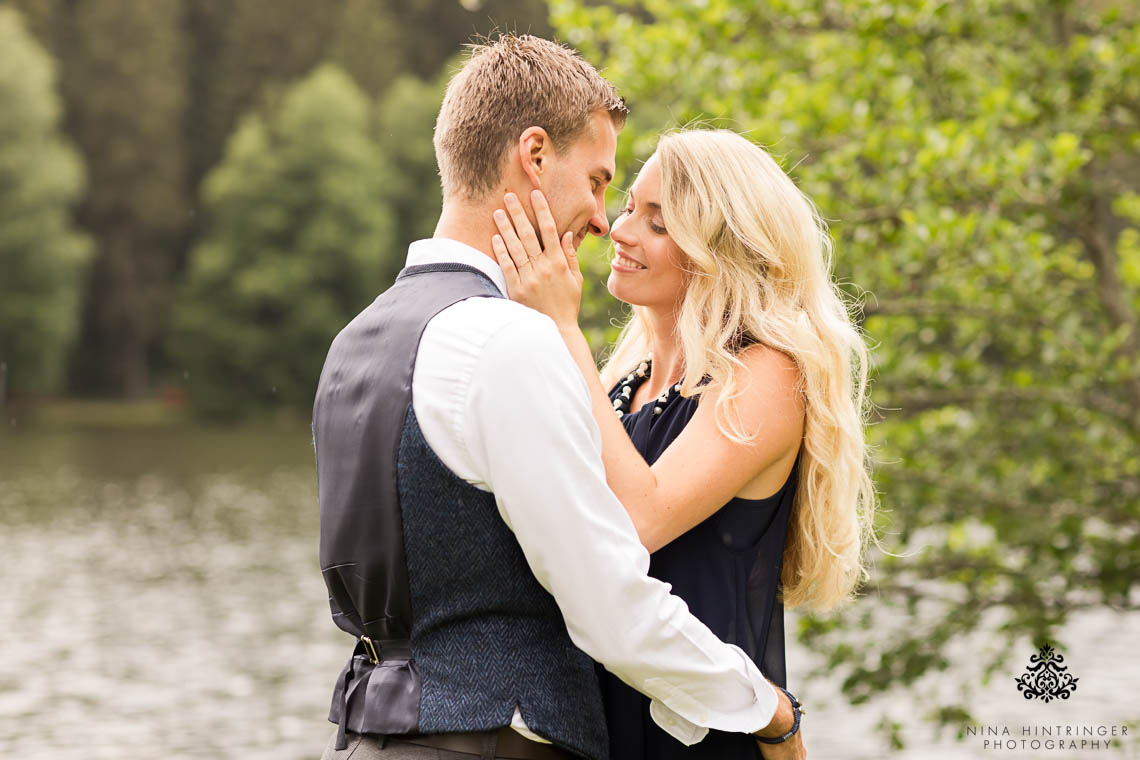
point(528, 431)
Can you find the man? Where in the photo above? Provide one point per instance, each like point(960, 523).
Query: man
point(468, 538)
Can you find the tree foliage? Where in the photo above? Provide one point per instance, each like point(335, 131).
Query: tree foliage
point(979, 165)
point(405, 123)
point(152, 92)
point(121, 75)
point(42, 255)
point(298, 239)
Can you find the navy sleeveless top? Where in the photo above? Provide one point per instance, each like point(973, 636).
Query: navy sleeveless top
point(727, 569)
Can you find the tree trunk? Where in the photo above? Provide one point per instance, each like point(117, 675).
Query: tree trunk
point(134, 367)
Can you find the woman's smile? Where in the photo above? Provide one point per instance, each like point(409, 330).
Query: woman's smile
point(623, 263)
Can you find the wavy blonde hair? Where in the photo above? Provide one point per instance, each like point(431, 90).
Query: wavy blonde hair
point(758, 260)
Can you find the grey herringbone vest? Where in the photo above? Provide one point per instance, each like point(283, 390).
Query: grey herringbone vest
point(453, 630)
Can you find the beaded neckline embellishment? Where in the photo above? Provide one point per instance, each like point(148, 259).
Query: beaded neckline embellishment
point(630, 383)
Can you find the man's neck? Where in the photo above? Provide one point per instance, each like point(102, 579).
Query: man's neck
point(468, 224)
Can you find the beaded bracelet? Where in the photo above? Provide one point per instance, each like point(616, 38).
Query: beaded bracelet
point(796, 712)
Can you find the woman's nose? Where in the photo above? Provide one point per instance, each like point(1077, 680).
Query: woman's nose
point(618, 233)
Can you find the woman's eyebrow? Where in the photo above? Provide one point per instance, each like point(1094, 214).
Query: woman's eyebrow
point(651, 204)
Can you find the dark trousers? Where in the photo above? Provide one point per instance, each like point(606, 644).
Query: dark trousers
point(383, 748)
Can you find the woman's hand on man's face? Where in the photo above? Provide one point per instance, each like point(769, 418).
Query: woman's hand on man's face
point(543, 275)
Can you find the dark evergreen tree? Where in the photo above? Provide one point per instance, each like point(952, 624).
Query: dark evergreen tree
point(42, 255)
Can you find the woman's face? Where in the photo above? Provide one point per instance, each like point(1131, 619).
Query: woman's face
point(646, 269)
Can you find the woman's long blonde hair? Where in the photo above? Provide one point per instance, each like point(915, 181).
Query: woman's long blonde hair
point(759, 260)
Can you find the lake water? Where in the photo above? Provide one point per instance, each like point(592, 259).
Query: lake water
point(161, 598)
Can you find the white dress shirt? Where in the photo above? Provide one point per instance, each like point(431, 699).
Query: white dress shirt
point(502, 404)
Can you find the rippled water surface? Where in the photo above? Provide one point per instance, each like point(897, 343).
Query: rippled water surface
point(161, 598)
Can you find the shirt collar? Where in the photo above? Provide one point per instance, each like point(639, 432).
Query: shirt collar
point(444, 250)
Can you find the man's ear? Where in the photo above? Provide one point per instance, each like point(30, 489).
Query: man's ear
point(535, 150)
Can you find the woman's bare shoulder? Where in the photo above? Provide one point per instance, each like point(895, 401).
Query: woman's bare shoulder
point(770, 376)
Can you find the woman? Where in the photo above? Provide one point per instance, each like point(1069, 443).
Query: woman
point(732, 429)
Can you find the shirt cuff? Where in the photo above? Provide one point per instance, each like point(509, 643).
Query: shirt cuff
point(670, 710)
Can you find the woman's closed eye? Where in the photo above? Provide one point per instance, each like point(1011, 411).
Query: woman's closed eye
point(656, 228)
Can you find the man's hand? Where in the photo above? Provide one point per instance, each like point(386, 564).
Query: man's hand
point(782, 722)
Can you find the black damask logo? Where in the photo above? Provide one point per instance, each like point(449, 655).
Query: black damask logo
point(1046, 678)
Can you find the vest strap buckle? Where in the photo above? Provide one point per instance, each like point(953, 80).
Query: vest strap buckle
point(370, 650)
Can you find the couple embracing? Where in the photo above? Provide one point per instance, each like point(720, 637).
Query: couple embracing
point(536, 561)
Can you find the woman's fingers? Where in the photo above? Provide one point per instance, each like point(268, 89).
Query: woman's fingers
point(523, 227)
point(570, 252)
point(545, 219)
point(507, 264)
point(514, 246)
point(550, 283)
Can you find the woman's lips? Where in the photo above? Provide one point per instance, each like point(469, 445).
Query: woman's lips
point(623, 263)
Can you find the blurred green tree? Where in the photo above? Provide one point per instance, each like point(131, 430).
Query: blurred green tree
point(122, 79)
point(42, 255)
point(979, 164)
point(152, 92)
point(448, 24)
point(298, 238)
point(243, 54)
point(404, 128)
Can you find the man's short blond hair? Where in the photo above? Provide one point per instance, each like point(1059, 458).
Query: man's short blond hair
point(506, 86)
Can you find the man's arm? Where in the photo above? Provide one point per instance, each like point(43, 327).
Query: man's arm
point(530, 430)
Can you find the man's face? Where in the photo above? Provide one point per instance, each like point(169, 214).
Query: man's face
point(576, 181)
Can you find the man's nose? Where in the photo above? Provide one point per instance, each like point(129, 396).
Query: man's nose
point(599, 225)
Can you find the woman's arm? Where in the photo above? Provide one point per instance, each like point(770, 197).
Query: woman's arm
point(702, 469)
